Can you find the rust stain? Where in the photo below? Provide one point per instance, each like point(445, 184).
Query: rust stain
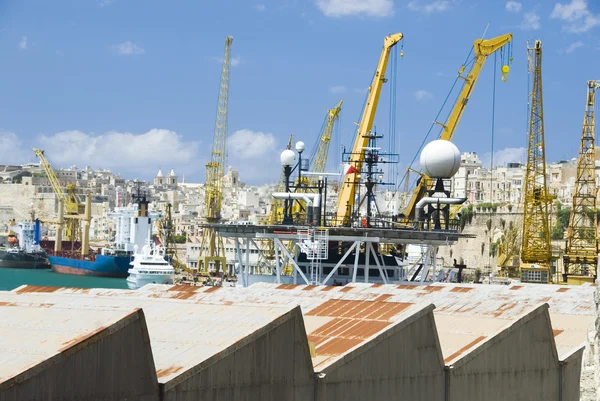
point(432, 288)
point(183, 287)
point(80, 338)
point(168, 371)
point(516, 287)
point(2, 303)
point(392, 310)
point(183, 295)
point(466, 347)
point(563, 289)
point(406, 287)
point(377, 285)
point(337, 346)
point(346, 289)
point(556, 332)
point(310, 287)
point(286, 286)
point(546, 299)
point(37, 288)
point(504, 308)
point(212, 289)
point(383, 297)
point(45, 305)
point(461, 289)
point(328, 288)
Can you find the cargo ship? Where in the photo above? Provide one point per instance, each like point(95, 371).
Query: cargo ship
point(133, 226)
point(23, 250)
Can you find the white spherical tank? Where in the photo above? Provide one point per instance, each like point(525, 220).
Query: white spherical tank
point(440, 159)
point(287, 157)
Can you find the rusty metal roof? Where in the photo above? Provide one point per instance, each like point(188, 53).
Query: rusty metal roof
point(31, 336)
point(182, 335)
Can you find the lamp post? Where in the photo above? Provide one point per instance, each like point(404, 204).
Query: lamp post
point(300, 149)
point(287, 158)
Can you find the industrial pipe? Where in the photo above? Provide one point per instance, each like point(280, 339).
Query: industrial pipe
point(430, 200)
point(310, 199)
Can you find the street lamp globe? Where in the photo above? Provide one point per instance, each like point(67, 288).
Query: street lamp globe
point(287, 157)
point(299, 146)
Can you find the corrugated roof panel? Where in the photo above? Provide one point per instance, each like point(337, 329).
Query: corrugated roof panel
point(30, 336)
point(181, 333)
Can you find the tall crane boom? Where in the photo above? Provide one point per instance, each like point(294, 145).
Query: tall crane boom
point(211, 248)
point(536, 247)
point(581, 249)
point(348, 188)
point(215, 169)
point(319, 160)
point(482, 49)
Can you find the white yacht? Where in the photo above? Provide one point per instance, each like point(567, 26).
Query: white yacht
point(149, 267)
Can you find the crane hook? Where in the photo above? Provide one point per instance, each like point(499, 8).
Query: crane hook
point(505, 70)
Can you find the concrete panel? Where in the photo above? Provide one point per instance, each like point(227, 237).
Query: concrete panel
point(402, 363)
point(115, 363)
point(272, 364)
point(518, 364)
point(571, 375)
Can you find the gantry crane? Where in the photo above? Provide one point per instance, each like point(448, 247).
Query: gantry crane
point(535, 246)
point(211, 247)
point(357, 156)
point(482, 49)
point(71, 202)
point(581, 248)
point(319, 159)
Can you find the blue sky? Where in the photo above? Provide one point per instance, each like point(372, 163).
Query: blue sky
point(131, 85)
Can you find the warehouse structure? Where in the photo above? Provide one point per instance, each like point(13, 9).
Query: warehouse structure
point(368, 341)
point(53, 353)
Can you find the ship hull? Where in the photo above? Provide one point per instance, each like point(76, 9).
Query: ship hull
point(24, 260)
point(102, 266)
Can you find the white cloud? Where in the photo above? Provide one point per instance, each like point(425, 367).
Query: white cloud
point(340, 8)
point(23, 43)
point(361, 91)
point(513, 6)
point(576, 16)
point(121, 151)
point(260, 7)
point(504, 156)
point(531, 22)
point(436, 6)
point(129, 48)
point(235, 61)
point(255, 155)
point(574, 46)
point(12, 150)
point(422, 95)
point(338, 89)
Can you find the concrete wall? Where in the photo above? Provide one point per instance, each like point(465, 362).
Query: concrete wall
point(520, 363)
point(571, 374)
point(273, 364)
point(115, 363)
point(403, 363)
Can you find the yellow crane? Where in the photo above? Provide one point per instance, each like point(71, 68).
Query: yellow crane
point(581, 248)
point(319, 159)
point(482, 49)
point(350, 181)
point(535, 246)
point(68, 198)
point(211, 247)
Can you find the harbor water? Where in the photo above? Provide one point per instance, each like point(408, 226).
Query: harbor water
point(13, 278)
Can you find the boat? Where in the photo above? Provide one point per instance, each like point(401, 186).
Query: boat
point(24, 251)
point(133, 227)
point(150, 267)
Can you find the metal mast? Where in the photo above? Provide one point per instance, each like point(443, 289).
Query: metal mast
point(581, 249)
point(211, 249)
point(536, 228)
point(319, 160)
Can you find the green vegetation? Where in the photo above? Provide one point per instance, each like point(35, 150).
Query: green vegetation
point(487, 207)
point(179, 239)
point(466, 216)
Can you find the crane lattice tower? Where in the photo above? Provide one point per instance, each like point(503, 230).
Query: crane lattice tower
point(536, 246)
point(211, 247)
point(581, 248)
